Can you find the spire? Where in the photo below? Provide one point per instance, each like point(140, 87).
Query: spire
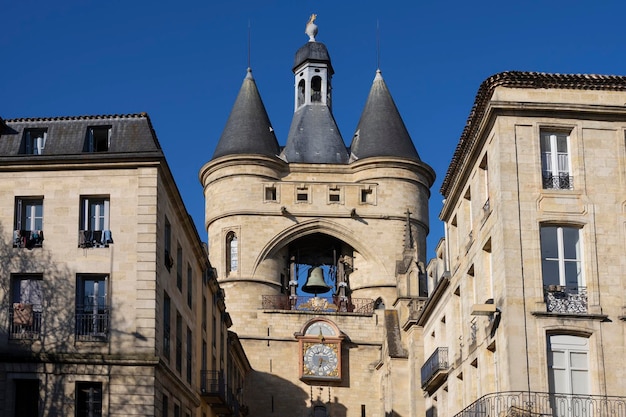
point(381, 131)
point(248, 129)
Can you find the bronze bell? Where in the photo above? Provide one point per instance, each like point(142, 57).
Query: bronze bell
point(315, 283)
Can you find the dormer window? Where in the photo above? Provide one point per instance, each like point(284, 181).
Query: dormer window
point(34, 141)
point(98, 139)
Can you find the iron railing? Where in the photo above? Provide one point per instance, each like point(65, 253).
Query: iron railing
point(558, 182)
point(215, 390)
point(25, 321)
point(544, 404)
point(318, 304)
point(437, 362)
point(565, 299)
point(92, 326)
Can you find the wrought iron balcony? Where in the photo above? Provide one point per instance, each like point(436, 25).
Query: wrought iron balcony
point(563, 299)
point(25, 321)
point(92, 325)
point(540, 404)
point(557, 182)
point(435, 371)
point(318, 304)
point(215, 392)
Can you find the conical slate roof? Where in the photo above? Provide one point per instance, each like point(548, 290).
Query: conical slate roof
point(248, 129)
point(314, 137)
point(381, 131)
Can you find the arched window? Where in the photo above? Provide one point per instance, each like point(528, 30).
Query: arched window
point(232, 252)
point(316, 89)
point(300, 93)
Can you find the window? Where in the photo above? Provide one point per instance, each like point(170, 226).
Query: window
point(189, 354)
point(176, 410)
point(27, 306)
point(334, 194)
point(166, 324)
point(94, 222)
point(189, 286)
point(92, 311)
point(302, 194)
point(270, 193)
point(179, 268)
point(232, 252)
point(555, 161)
point(179, 342)
point(367, 195)
point(568, 364)
point(204, 355)
point(167, 242)
point(26, 397)
point(166, 405)
point(34, 141)
point(204, 312)
point(316, 89)
point(28, 222)
point(88, 399)
point(98, 139)
point(561, 257)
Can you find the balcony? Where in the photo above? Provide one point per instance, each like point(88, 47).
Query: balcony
point(25, 321)
point(364, 306)
point(557, 182)
point(92, 326)
point(435, 370)
point(544, 404)
point(215, 392)
point(566, 300)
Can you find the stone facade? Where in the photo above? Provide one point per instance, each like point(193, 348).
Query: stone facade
point(528, 310)
point(86, 272)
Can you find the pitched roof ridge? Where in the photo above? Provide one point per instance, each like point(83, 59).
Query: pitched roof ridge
point(83, 117)
point(523, 79)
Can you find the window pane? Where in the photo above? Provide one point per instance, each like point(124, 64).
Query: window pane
point(573, 275)
point(549, 247)
point(578, 360)
point(561, 143)
point(558, 359)
point(580, 382)
point(550, 272)
point(570, 243)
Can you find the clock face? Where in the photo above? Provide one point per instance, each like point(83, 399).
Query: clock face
point(320, 360)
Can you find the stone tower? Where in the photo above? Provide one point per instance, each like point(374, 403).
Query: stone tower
point(355, 219)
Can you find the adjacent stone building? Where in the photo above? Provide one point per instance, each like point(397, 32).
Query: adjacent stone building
point(527, 308)
point(109, 305)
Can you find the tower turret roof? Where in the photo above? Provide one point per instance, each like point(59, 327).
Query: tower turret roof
point(313, 52)
point(248, 129)
point(381, 130)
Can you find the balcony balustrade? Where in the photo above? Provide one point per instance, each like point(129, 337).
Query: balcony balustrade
point(363, 306)
point(435, 370)
point(568, 300)
point(92, 325)
point(544, 404)
point(558, 182)
point(215, 392)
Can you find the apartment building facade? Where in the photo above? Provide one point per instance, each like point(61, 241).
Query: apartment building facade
point(526, 313)
point(109, 303)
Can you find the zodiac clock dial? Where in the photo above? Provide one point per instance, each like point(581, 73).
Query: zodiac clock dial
point(320, 360)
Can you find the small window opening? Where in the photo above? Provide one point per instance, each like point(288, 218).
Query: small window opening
point(302, 195)
point(366, 195)
point(270, 193)
point(98, 139)
point(316, 89)
point(334, 195)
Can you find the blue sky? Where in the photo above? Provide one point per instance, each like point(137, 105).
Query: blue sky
point(183, 63)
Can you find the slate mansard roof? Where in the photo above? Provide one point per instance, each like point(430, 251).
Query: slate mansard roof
point(131, 136)
point(519, 79)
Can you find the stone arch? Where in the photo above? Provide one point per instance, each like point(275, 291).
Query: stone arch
point(310, 227)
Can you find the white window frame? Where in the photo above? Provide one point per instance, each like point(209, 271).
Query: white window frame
point(560, 258)
point(554, 163)
point(34, 145)
point(100, 213)
point(26, 213)
point(569, 375)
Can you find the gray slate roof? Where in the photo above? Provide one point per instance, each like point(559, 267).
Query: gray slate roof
point(131, 134)
point(314, 137)
point(381, 131)
point(248, 129)
point(313, 52)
